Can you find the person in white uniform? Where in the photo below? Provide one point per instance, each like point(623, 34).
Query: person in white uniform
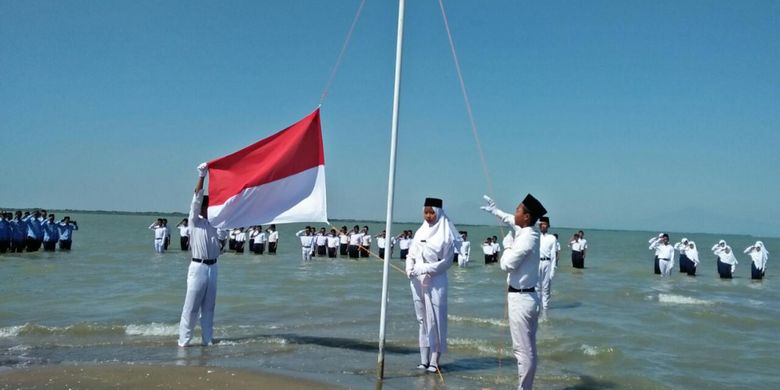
point(430, 256)
point(333, 243)
point(651, 241)
point(465, 250)
point(578, 246)
point(355, 238)
point(665, 253)
point(273, 240)
point(727, 262)
point(693, 255)
point(557, 255)
point(308, 240)
point(159, 235)
point(261, 237)
point(343, 241)
point(521, 262)
point(487, 250)
point(548, 246)
point(759, 255)
point(365, 243)
point(681, 248)
point(404, 241)
point(201, 297)
point(184, 234)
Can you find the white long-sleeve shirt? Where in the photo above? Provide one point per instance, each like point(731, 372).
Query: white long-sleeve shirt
point(521, 259)
point(159, 231)
point(664, 252)
point(548, 246)
point(306, 240)
point(204, 240)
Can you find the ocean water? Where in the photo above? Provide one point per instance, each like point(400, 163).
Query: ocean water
point(614, 325)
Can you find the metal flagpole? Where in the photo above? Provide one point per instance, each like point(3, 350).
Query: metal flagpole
point(390, 188)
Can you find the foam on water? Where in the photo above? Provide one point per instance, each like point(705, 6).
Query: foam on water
point(479, 321)
point(10, 331)
point(153, 329)
point(590, 350)
point(682, 300)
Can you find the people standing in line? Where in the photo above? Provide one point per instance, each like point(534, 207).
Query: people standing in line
point(465, 249)
point(727, 262)
point(521, 262)
point(184, 234)
point(430, 256)
point(682, 247)
point(273, 239)
point(365, 243)
point(354, 242)
point(548, 246)
point(5, 231)
point(333, 243)
point(579, 246)
point(201, 297)
point(18, 233)
point(343, 241)
point(159, 235)
point(487, 250)
point(759, 255)
point(308, 240)
point(665, 253)
point(258, 246)
point(66, 228)
point(51, 234)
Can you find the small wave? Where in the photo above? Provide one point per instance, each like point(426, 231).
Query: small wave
point(590, 350)
point(10, 331)
point(481, 321)
point(153, 329)
point(681, 300)
point(481, 346)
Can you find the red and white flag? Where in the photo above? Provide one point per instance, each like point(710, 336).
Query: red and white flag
point(279, 179)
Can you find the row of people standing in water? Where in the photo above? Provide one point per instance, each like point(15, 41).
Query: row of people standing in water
point(234, 238)
point(688, 257)
point(29, 231)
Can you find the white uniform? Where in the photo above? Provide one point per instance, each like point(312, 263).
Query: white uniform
point(430, 256)
point(159, 237)
point(665, 255)
point(307, 244)
point(464, 253)
point(759, 256)
point(201, 296)
point(548, 246)
point(521, 262)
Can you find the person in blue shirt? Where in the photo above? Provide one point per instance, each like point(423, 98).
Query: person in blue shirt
point(66, 228)
point(18, 233)
point(34, 232)
point(5, 231)
point(51, 234)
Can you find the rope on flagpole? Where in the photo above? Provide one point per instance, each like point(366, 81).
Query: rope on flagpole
point(477, 142)
point(341, 53)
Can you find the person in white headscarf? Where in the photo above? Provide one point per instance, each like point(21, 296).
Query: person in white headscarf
point(693, 255)
point(681, 247)
point(759, 255)
point(727, 262)
point(430, 255)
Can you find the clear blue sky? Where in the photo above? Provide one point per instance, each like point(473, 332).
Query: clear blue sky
point(657, 115)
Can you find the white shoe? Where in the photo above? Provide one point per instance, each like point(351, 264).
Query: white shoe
point(433, 369)
point(422, 367)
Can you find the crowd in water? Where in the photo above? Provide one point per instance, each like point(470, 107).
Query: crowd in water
point(688, 257)
point(233, 239)
point(28, 231)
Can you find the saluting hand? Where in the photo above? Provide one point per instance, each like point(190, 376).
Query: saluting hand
point(491, 205)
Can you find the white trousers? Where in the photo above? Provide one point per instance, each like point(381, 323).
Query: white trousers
point(523, 320)
point(429, 296)
point(666, 267)
point(200, 301)
point(306, 254)
point(159, 246)
point(463, 260)
point(545, 282)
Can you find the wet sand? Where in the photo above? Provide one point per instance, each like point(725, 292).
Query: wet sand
point(148, 377)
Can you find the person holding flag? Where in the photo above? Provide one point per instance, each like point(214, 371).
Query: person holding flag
point(201, 297)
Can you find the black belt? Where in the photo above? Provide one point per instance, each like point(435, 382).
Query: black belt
point(206, 261)
point(661, 258)
point(545, 258)
point(521, 290)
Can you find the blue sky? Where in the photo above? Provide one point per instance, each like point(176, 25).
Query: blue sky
point(657, 115)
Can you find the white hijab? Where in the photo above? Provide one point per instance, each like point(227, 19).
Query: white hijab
point(692, 252)
point(764, 252)
point(437, 241)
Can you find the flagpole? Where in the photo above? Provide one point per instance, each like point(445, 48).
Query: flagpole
point(390, 189)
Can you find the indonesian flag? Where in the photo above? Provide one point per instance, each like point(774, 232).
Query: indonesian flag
point(279, 179)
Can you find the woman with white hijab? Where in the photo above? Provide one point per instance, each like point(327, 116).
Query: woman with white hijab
point(759, 255)
point(727, 262)
point(693, 256)
point(430, 256)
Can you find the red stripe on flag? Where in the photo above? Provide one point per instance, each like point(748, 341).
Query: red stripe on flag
point(290, 151)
